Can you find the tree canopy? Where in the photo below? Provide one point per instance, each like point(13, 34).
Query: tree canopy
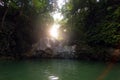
point(95, 22)
point(19, 23)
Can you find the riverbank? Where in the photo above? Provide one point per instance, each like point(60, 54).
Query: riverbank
point(105, 54)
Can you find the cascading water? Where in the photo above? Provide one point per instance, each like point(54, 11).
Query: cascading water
point(58, 48)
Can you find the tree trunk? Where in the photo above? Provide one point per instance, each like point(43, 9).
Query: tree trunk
point(3, 18)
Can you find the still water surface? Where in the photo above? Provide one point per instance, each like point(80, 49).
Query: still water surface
point(56, 70)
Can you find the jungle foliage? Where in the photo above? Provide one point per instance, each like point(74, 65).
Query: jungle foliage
point(91, 22)
point(18, 19)
point(95, 22)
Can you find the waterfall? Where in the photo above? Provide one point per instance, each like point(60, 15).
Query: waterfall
point(59, 48)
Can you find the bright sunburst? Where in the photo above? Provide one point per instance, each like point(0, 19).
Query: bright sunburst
point(61, 3)
point(54, 31)
point(57, 16)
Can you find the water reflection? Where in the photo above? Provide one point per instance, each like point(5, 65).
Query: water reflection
point(56, 70)
point(53, 78)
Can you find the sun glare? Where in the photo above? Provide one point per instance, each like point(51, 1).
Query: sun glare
point(61, 3)
point(97, 0)
point(54, 31)
point(57, 16)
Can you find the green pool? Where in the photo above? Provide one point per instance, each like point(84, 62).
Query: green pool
point(56, 70)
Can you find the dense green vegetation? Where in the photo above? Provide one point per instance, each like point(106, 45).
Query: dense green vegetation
point(20, 24)
point(95, 21)
point(93, 25)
